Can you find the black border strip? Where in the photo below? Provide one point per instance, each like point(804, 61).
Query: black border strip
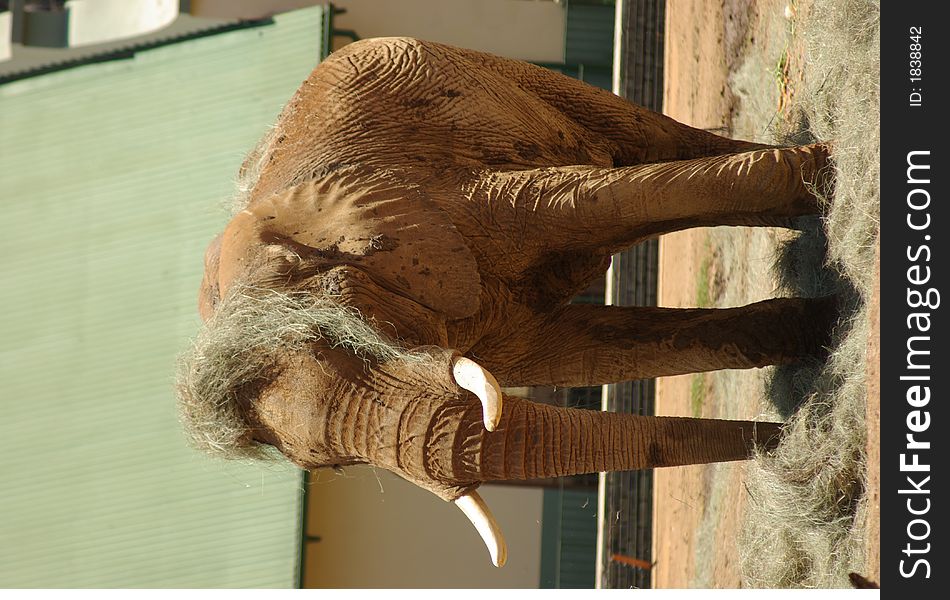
point(914, 173)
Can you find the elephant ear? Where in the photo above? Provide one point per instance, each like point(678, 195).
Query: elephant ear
point(392, 231)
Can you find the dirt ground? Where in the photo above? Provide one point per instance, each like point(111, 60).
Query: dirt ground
point(698, 510)
point(696, 93)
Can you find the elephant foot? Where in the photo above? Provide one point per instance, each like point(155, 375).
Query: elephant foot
point(767, 436)
point(825, 313)
point(784, 331)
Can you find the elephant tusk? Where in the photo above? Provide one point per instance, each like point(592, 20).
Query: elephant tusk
point(472, 377)
point(477, 512)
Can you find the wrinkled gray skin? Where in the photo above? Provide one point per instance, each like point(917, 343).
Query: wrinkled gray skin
point(458, 201)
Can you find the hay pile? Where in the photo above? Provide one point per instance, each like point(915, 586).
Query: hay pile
point(243, 343)
point(805, 519)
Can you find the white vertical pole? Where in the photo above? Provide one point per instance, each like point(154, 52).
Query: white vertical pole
point(608, 300)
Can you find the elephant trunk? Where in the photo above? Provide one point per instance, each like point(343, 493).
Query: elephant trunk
point(535, 441)
point(456, 430)
point(532, 441)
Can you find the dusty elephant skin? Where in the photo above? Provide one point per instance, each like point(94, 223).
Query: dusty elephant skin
point(414, 228)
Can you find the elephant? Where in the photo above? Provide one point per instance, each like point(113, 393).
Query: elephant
point(407, 240)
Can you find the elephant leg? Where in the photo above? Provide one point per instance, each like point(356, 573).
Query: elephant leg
point(637, 135)
point(572, 208)
point(582, 345)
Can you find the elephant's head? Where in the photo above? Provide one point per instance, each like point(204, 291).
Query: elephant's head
point(313, 347)
point(299, 372)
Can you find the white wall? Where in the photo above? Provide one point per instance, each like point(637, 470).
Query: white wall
point(6, 41)
point(246, 9)
point(108, 20)
point(378, 530)
point(531, 30)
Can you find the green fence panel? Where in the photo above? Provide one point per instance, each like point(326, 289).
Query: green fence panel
point(111, 180)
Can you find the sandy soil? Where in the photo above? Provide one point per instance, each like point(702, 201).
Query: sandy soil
point(698, 510)
point(696, 93)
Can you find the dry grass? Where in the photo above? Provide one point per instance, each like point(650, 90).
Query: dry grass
point(242, 343)
point(804, 522)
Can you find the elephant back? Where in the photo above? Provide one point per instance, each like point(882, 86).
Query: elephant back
point(422, 106)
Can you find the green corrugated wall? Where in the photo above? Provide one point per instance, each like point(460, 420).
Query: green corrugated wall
point(111, 175)
point(569, 538)
point(589, 40)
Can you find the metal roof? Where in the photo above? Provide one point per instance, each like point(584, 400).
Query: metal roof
point(28, 61)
